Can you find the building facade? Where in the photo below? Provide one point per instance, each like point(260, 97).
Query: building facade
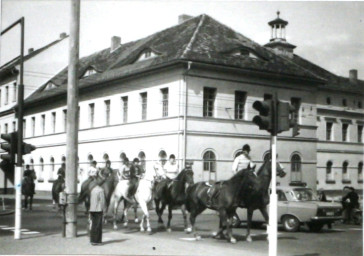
point(188, 91)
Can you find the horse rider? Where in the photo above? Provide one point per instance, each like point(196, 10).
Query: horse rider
point(160, 171)
point(30, 176)
point(136, 172)
point(241, 162)
point(92, 174)
point(62, 171)
point(350, 203)
point(172, 169)
point(124, 171)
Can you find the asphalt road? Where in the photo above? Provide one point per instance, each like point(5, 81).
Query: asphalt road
point(42, 235)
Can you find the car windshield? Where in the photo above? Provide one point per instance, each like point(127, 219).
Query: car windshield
point(304, 194)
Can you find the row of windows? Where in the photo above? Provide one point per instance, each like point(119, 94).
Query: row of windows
point(344, 102)
point(344, 132)
point(345, 173)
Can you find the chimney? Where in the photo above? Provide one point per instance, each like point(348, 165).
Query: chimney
point(62, 35)
point(115, 43)
point(353, 75)
point(30, 50)
point(183, 17)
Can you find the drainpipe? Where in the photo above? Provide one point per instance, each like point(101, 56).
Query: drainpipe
point(189, 63)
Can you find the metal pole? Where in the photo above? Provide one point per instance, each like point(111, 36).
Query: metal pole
point(272, 229)
point(72, 122)
point(19, 166)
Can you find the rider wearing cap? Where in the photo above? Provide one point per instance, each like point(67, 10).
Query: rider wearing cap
point(243, 161)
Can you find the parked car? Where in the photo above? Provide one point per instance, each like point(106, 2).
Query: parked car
point(297, 206)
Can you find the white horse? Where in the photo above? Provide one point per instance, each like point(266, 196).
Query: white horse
point(143, 196)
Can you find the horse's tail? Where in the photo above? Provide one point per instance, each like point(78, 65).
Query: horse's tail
point(82, 196)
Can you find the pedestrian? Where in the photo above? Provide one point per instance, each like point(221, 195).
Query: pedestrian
point(31, 176)
point(350, 203)
point(97, 211)
point(62, 171)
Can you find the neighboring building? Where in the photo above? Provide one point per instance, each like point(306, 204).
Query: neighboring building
point(188, 90)
point(39, 66)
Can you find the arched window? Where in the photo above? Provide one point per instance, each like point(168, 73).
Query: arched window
point(360, 172)
point(122, 156)
point(90, 158)
point(345, 171)
point(63, 159)
point(296, 174)
point(209, 161)
point(32, 164)
point(41, 167)
point(329, 172)
point(105, 157)
point(162, 156)
point(51, 171)
point(238, 153)
point(141, 157)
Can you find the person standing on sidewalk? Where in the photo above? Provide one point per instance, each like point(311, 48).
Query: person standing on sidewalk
point(97, 210)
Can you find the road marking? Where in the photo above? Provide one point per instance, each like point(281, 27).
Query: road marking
point(2, 226)
point(189, 238)
point(30, 232)
point(8, 228)
point(356, 229)
point(24, 229)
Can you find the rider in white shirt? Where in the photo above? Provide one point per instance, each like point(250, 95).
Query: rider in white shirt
point(92, 171)
point(159, 168)
point(171, 168)
point(243, 161)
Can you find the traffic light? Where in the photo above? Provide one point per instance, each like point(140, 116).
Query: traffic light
point(265, 118)
point(9, 146)
point(28, 148)
point(287, 118)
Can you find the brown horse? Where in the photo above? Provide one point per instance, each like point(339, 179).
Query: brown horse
point(242, 189)
point(174, 195)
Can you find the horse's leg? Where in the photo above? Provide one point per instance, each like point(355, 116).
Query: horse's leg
point(264, 212)
point(135, 207)
point(225, 223)
point(250, 216)
point(170, 207)
point(115, 210)
point(31, 203)
point(193, 215)
point(158, 211)
point(228, 226)
point(218, 234)
point(184, 214)
point(126, 208)
point(144, 207)
point(25, 202)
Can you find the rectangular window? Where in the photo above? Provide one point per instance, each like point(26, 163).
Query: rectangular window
point(144, 99)
point(65, 120)
point(6, 128)
point(33, 126)
point(14, 126)
point(329, 130)
point(14, 92)
point(296, 103)
point(345, 132)
point(43, 124)
point(240, 98)
point(360, 133)
point(53, 122)
point(91, 114)
point(107, 112)
point(165, 96)
point(124, 101)
point(209, 96)
point(6, 95)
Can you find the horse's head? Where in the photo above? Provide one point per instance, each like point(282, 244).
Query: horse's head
point(187, 176)
point(266, 169)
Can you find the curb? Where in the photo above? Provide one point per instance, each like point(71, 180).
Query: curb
point(6, 212)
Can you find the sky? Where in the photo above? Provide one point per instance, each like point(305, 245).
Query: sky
point(330, 34)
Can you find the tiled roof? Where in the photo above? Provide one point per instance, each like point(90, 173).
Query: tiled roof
point(200, 39)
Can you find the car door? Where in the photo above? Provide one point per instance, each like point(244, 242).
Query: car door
point(282, 204)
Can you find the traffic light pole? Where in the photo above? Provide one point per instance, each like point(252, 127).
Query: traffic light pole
point(272, 227)
point(72, 122)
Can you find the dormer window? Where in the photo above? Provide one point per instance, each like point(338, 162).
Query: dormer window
point(146, 54)
point(245, 53)
point(50, 85)
point(90, 71)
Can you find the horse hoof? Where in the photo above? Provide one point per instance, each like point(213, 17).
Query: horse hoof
point(214, 234)
point(198, 238)
point(115, 227)
point(136, 220)
point(142, 229)
point(169, 230)
point(249, 239)
point(233, 240)
point(149, 230)
point(125, 224)
point(188, 230)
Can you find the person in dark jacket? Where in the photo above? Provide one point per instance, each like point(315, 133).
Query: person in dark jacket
point(97, 210)
point(62, 171)
point(350, 202)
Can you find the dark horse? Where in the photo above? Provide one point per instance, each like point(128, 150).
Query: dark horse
point(57, 187)
point(230, 194)
point(258, 198)
point(27, 189)
point(174, 195)
point(107, 177)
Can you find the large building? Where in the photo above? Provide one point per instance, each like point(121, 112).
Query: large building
point(188, 90)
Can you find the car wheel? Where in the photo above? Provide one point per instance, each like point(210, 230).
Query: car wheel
point(235, 223)
point(291, 223)
point(315, 227)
